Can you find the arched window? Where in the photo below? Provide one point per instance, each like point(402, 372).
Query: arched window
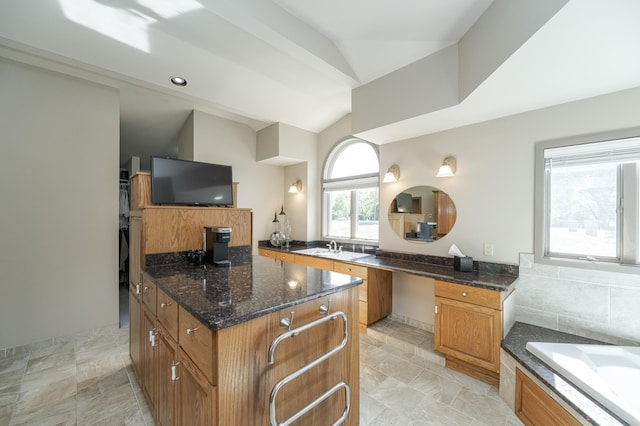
point(350, 192)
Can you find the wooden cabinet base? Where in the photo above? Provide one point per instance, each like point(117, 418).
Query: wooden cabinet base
point(486, 376)
point(534, 407)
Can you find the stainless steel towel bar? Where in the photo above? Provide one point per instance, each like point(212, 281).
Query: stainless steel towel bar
point(307, 367)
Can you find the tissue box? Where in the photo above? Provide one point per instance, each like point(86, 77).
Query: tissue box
point(463, 264)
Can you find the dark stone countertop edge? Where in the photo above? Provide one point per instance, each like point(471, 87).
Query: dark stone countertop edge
point(238, 319)
point(515, 345)
point(490, 276)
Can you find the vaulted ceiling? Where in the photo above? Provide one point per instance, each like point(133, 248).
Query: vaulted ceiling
point(297, 61)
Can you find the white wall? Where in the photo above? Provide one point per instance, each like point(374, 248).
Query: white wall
point(260, 186)
point(297, 205)
point(59, 164)
point(493, 193)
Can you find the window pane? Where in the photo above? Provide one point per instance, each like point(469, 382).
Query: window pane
point(368, 214)
point(339, 214)
point(582, 210)
point(356, 159)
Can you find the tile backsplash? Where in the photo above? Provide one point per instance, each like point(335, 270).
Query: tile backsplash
point(595, 304)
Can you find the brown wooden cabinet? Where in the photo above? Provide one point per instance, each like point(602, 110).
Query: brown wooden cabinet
point(135, 331)
point(135, 294)
point(205, 377)
point(468, 328)
point(148, 362)
point(167, 357)
point(195, 398)
point(375, 293)
point(247, 375)
point(534, 407)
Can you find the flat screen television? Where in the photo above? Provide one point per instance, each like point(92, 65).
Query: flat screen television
point(404, 203)
point(190, 183)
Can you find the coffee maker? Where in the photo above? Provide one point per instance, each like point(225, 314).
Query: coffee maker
point(216, 245)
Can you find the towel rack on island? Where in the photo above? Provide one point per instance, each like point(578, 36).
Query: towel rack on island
point(280, 384)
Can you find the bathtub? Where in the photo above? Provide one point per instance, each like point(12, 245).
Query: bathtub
point(609, 374)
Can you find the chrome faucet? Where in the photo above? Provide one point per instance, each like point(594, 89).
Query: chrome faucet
point(333, 246)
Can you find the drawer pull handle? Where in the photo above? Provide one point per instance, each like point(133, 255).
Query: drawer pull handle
point(165, 305)
point(138, 288)
point(464, 294)
point(192, 330)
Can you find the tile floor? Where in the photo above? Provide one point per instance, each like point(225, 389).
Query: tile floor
point(87, 380)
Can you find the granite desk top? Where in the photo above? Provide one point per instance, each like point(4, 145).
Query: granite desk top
point(490, 276)
point(515, 345)
point(251, 287)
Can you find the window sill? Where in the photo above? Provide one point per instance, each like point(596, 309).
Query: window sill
point(624, 268)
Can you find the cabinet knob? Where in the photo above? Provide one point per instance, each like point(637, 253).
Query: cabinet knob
point(464, 294)
point(192, 330)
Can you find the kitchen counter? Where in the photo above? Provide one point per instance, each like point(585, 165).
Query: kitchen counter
point(485, 275)
point(253, 286)
point(515, 345)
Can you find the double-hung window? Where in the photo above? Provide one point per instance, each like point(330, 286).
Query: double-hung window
point(350, 190)
point(587, 200)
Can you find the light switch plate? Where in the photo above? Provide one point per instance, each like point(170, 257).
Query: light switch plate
point(488, 249)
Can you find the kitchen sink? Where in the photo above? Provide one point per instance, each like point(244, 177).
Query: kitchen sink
point(322, 252)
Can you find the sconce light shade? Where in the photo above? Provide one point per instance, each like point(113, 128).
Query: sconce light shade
point(295, 187)
point(448, 167)
point(392, 175)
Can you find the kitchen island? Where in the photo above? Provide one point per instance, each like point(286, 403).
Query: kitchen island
point(257, 343)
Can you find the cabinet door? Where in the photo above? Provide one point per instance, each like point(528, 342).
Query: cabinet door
point(167, 376)
point(149, 339)
point(135, 332)
point(535, 407)
point(468, 332)
point(196, 396)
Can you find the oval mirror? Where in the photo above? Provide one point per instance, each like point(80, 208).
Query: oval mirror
point(422, 213)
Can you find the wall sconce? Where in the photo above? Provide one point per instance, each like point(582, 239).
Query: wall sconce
point(448, 167)
point(392, 175)
point(295, 187)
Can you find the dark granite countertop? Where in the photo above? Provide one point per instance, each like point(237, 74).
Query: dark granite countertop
point(485, 275)
point(253, 286)
point(515, 344)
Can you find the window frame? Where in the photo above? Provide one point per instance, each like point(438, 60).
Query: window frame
point(352, 183)
point(628, 225)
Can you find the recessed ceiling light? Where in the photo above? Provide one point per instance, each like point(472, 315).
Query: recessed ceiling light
point(178, 81)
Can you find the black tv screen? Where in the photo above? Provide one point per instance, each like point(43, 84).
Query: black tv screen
point(190, 183)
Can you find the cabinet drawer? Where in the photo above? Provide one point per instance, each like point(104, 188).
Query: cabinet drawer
point(149, 294)
point(285, 257)
point(348, 269)
point(168, 314)
point(469, 294)
point(266, 253)
point(315, 262)
point(197, 341)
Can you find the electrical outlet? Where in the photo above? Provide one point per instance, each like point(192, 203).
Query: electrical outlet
point(488, 249)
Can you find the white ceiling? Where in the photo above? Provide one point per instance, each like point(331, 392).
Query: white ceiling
point(296, 61)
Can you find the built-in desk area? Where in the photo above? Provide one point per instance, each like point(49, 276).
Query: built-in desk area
point(478, 299)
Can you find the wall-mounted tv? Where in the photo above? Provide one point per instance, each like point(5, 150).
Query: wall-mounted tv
point(190, 183)
point(404, 202)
